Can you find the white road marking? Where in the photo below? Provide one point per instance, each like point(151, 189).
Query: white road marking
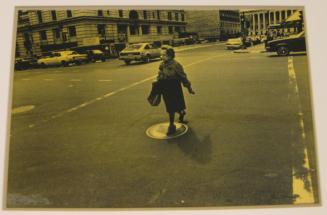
point(48, 79)
point(70, 85)
point(303, 192)
point(22, 109)
point(104, 80)
point(25, 79)
point(31, 125)
point(76, 80)
point(85, 104)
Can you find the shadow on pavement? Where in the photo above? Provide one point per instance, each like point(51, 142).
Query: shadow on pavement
point(293, 54)
point(140, 63)
point(197, 149)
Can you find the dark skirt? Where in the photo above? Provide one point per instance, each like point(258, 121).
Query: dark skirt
point(172, 94)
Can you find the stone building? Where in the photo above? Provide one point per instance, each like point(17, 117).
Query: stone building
point(41, 31)
point(214, 24)
point(260, 20)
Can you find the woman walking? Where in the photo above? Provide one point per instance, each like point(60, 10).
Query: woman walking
point(171, 75)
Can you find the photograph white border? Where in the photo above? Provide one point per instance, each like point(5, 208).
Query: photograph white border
point(315, 14)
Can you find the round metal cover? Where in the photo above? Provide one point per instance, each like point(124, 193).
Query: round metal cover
point(158, 131)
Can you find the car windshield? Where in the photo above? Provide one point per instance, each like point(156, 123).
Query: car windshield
point(133, 47)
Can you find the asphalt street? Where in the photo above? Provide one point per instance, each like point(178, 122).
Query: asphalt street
point(83, 143)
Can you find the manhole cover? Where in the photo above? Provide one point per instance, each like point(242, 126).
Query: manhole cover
point(23, 109)
point(159, 131)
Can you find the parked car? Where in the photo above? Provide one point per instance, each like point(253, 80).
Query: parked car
point(165, 47)
point(234, 43)
point(95, 55)
point(286, 45)
point(63, 58)
point(25, 63)
point(139, 52)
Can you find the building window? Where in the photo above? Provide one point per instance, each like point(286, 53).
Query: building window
point(133, 30)
point(158, 14)
point(17, 50)
point(182, 16)
point(170, 29)
point(145, 29)
point(159, 29)
point(56, 33)
point(101, 29)
point(120, 13)
point(108, 12)
point(153, 15)
point(145, 15)
point(69, 14)
point(100, 12)
point(177, 29)
point(39, 16)
point(169, 15)
point(176, 16)
point(54, 15)
point(43, 35)
point(72, 31)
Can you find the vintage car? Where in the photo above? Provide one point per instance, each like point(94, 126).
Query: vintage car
point(95, 55)
point(63, 58)
point(286, 45)
point(139, 52)
point(234, 43)
point(25, 63)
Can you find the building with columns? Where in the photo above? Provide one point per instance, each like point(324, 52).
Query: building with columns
point(259, 20)
point(41, 31)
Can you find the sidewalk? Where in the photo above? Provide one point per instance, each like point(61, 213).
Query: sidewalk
point(260, 48)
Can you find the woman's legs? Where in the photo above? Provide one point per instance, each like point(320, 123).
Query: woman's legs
point(171, 119)
point(172, 127)
point(181, 116)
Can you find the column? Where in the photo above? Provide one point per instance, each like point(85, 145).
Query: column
point(140, 30)
point(275, 21)
point(253, 24)
point(264, 23)
point(259, 22)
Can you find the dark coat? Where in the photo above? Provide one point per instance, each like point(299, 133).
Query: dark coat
point(171, 75)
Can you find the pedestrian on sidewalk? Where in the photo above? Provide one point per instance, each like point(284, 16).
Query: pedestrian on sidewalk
point(171, 75)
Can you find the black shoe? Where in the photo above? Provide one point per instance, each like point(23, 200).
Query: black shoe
point(171, 130)
point(181, 117)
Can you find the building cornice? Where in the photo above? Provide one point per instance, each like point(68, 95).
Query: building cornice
point(75, 20)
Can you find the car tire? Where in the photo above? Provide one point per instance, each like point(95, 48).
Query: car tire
point(64, 63)
point(127, 62)
point(147, 59)
point(43, 65)
point(283, 51)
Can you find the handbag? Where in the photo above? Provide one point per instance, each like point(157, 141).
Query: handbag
point(155, 95)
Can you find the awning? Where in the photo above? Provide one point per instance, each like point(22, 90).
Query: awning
point(294, 17)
